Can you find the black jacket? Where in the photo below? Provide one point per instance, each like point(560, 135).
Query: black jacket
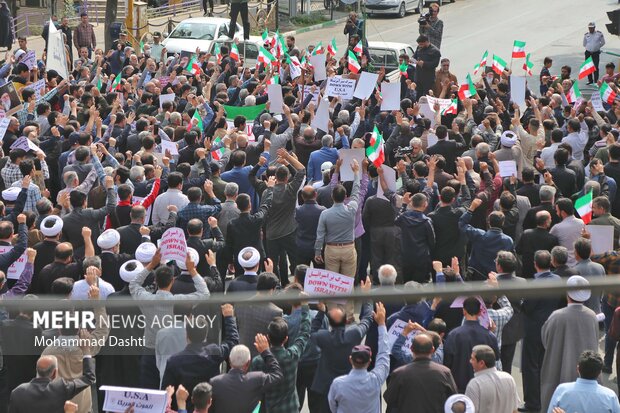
point(531, 241)
point(417, 237)
point(449, 240)
point(450, 150)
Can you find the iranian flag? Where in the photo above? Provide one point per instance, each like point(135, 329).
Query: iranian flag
point(573, 94)
point(467, 89)
point(218, 53)
point(483, 62)
point(587, 68)
point(198, 123)
point(218, 154)
point(116, 85)
point(354, 65)
point(265, 57)
point(192, 66)
point(583, 206)
point(498, 65)
point(607, 93)
point(234, 52)
point(331, 48)
point(275, 79)
point(375, 152)
point(403, 70)
point(358, 48)
point(318, 49)
point(280, 46)
point(265, 35)
point(518, 49)
point(528, 65)
point(451, 109)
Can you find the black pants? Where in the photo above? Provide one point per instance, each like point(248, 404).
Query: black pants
point(595, 60)
point(416, 271)
point(235, 9)
point(277, 250)
point(384, 249)
point(306, 257)
point(204, 6)
point(149, 374)
point(531, 364)
point(507, 354)
point(305, 375)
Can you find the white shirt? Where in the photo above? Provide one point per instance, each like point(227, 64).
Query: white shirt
point(171, 197)
point(169, 341)
point(80, 290)
point(578, 141)
point(547, 155)
point(593, 41)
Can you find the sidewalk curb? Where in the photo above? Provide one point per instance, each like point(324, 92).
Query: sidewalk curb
point(316, 27)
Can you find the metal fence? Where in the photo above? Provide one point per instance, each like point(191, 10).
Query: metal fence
point(23, 22)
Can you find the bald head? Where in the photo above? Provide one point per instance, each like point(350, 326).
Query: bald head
point(543, 219)
point(308, 193)
point(422, 346)
point(46, 367)
point(358, 143)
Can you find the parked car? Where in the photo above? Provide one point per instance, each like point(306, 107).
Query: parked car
point(249, 47)
point(398, 7)
point(386, 54)
point(198, 32)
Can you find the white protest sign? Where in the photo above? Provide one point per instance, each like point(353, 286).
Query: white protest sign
point(339, 86)
point(347, 156)
point(389, 175)
point(602, 237)
point(294, 68)
point(169, 146)
point(118, 399)
point(276, 101)
point(308, 91)
point(507, 168)
point(425, 110)
point(56, 52)
point(443, 103)
point(395, 331)
point(431, 139)
point(597, 102)
point(517, 90)
point(166, 98)
point(137, 199)
point(323, 282)
point(321, 118)
point(16, 269)
point(29, 59)
point(318, 64)
point(25, 144)
point(390, 94)
point(173, 245)
point(365, 85)
point(38, 87)
point(248, 129)
point(4, 124)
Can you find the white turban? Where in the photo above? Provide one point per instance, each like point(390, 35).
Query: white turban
point(56, 227)
point(108, 239)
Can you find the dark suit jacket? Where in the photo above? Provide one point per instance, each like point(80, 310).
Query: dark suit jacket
point(254, 319)
point(529, 222)
point(532, 192)
point(17, 338)
point(130, 238)
point(423, 384)
point(110, 268)
point(45, 395)
point(449, 241)
point(215, 244)
point(531, 241)
point(565, 179)
point(450, 150)
point(240, 392)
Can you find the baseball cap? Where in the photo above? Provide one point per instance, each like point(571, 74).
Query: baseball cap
point(361, 354)
point(156, 34)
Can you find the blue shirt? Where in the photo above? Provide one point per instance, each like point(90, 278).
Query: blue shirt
point(317, 158)
point(360, 390)
point(584, 396)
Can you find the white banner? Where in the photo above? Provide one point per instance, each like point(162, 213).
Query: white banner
point(56, 52)
point(173, 245)
point(16, 269)
point(323, 282)
point(119, 399)
point(339, 86)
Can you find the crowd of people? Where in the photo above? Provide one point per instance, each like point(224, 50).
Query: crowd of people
point(95, 169)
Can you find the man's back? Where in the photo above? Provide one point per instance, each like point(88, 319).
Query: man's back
point(493, 391)
point(584, 396)
point(254, 319)
point(568, 231)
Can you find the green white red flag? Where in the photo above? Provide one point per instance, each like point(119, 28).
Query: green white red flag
point(218, 154)
point(583, 206)
point(358, 48)
point(353, 64)
point(116, 84)
point(234, 52)
point(607, 93)
point(573, 94)
point(403, 70)
point(265, 57)
point(192, 66)
point(218, 53)
point(483, 62)
point(331, 48)
point(318, 49)
point(467, 88)
point(528, 65)
point(451, 109)
point(376, 151)
point(499, 65)
point(587, 68)
point(518, 49)
point(198, 119)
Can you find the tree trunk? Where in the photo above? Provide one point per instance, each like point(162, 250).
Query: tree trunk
point(110, 17)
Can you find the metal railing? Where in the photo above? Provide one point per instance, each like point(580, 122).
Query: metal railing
point(168, 9)
point(23, 22)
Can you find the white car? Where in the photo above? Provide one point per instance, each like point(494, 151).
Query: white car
point(248, 48)
point(198, 32)
point(397, 7)
point(385, 54)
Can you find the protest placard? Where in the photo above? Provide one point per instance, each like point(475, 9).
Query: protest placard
point(38, 87)
point(602, 237)
point(119, 399)
point(29, 59)
point(308, 91)
point(390, 95)
point(517, 90)
point(321, 118)
point(15, 270)
point(365, 85)
point(169, 146)
point(323, 282)
point(4, 124)
point(9, 98)
point(169, 97)
point(396, 330)
point(25, 144)
point(431, 140)
point(507, 168)
point(347, 156)
point(173, 245)
point(276, 101)
point(389, 175)
point(318, 64)
point(163, 81)
point(597, 102)
point(248, 129)
point(56, 52)
point(443, 103)
point(484, 319)
point(339, 86)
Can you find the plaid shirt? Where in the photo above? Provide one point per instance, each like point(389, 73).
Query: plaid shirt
point(501, 317)
point(34, 194)
point(23, 115)
point(282, 398)
point(610, 260)
point(84, 36)
point(11, 173)
point(202, 212)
